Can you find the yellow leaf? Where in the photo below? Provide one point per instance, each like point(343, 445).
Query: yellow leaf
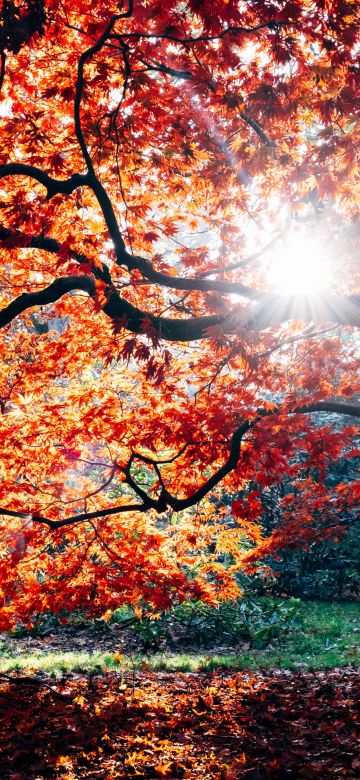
point(164, 769)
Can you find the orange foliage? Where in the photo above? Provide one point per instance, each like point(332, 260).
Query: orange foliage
point(153, 160)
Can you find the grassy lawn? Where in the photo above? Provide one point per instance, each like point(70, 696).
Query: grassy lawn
point(329, 637)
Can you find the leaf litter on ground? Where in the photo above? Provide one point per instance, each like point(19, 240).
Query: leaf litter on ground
point(222, 726)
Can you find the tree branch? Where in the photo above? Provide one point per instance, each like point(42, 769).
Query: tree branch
point(54, 524)
point(49, 294)
point(186, 75)
point(166, 500)
point(231, 30)
point(193, 283)
point(271, 309)
point(276, 309)
point(53, 186)
point(95, 184)
point(257, 128)
point(2, 68)
point(85, 56)
point(134, 262)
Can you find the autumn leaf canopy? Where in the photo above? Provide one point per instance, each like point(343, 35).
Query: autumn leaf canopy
point(174, 177)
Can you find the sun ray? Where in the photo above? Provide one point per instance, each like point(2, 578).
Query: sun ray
point(302, 267)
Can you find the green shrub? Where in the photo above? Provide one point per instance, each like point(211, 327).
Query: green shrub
point(255, 620)
point(151, 632)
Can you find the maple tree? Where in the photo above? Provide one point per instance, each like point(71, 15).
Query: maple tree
point(155, 158)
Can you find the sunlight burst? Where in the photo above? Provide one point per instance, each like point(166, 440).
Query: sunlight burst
point(303, 267)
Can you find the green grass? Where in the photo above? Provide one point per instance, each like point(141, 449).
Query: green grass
point(329, 637)
point(55, 662)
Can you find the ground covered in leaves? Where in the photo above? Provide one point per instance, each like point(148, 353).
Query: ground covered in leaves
point(278, 724)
